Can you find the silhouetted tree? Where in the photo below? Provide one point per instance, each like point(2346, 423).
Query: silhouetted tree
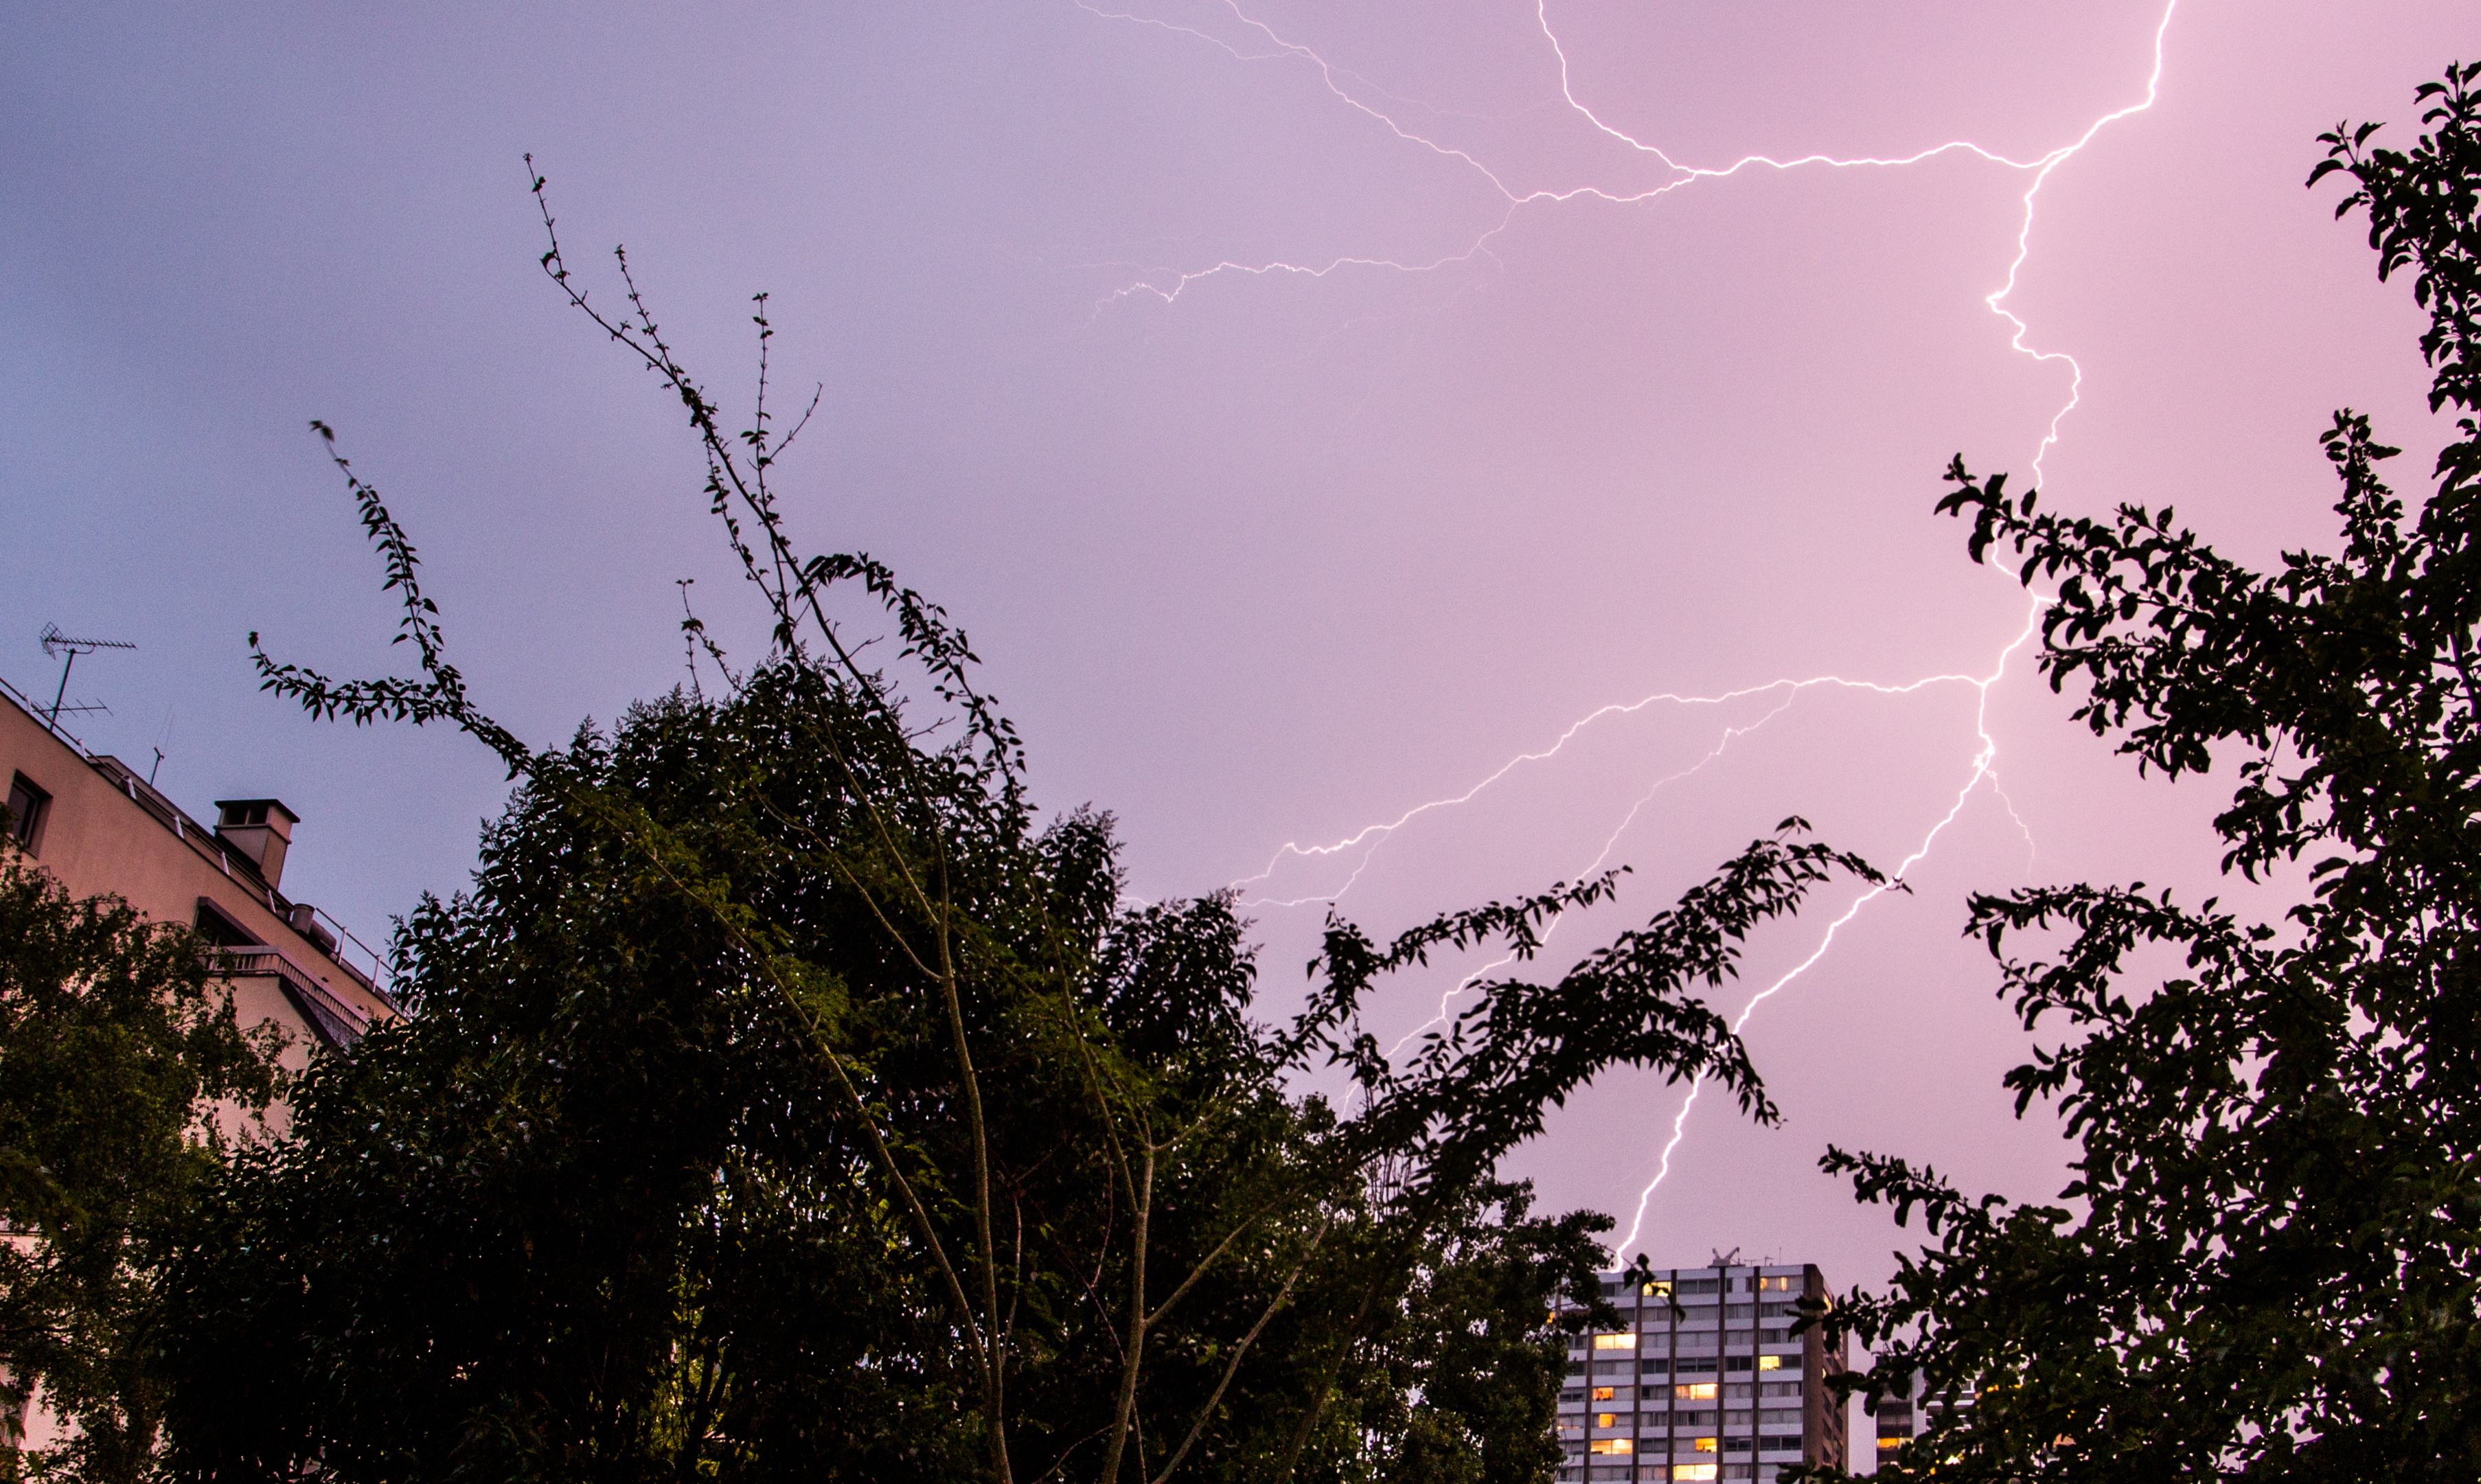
point(114, 1054)
point(2276, 1270)
point(786, 1100)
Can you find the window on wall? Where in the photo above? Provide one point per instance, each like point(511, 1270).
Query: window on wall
point(1611, 1445)
point(27, 806)
point(1693, 1470)
point(1614, 1341)
point(1782, 1284)
point(213, 924)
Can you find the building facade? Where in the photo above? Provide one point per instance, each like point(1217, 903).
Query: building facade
point(1704, 1380)
point(1902, 1416)
point(97, 827)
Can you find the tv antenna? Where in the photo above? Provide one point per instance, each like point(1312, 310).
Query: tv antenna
point(55, 642)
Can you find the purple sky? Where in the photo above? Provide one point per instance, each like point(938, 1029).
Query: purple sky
point(1472, 436)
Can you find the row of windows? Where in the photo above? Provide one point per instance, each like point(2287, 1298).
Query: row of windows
point(1654, 1473)
point(1655, 1395)
point(1772, 1443)
point(1734, 1426)
point(1653, 1336)
point(1695, 1365)
point(1776, 1283)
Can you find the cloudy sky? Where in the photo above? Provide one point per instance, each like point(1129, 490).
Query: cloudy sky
point(1317, 413)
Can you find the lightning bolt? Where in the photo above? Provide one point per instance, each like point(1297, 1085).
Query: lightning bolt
point(1676, 177)
point(1375, 835)
point(1680, 175)
point(1983, 770)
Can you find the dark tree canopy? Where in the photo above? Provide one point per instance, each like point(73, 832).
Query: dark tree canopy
point(115, 1054)
point(787, 1099)
point(2276, 1268)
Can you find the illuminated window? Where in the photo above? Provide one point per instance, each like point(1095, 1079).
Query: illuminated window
point(1886, 1444)
point(1655, 1289)
point(1693, 1470)
point(1611, 1445)
point(1614, 1341)
point(1602, 1393)
point(1770, 1363)
point(1694, 1390)
point(1607, 1419)
point(1705, 1444)
point(1781, 1285)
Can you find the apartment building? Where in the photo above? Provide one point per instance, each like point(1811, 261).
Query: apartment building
point(1915, 1410)
point(96, 827)
point(1703, 1379)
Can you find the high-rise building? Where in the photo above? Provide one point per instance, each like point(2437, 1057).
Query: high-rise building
point(1904, 1415)
point(1703, 1379)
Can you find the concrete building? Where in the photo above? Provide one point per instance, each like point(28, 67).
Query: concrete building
point(1703, 1380)
point(96, 827)
point(1900, 1419)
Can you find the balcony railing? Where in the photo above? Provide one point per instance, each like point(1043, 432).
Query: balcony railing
point(340, 1022)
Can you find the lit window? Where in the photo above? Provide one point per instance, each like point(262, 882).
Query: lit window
point(1607, 1419)
point(1614, 1341)
point(1655, 1289)
point(1770, 1363)
point(1705, 1444)
point(1782, 1284)
point(1693, 1470)
point(1602, 1393)
point(1694, 1390)
point(1611, 1445)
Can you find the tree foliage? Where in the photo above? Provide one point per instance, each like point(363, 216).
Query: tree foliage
point(115, 1052)
point(2276, 1267)
point(788, 1099)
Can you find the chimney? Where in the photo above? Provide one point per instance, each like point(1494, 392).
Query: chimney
point(259, 828)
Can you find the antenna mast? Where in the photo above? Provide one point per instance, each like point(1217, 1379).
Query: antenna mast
point(55, 642)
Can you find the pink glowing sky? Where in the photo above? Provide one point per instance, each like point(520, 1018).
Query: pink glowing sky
point(1473, 436)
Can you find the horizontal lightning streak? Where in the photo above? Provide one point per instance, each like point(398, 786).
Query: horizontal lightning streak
point(1376, 835)
point(1678, 175)
point(1609, 845)
point(1982, 769)
point(2040, 166)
